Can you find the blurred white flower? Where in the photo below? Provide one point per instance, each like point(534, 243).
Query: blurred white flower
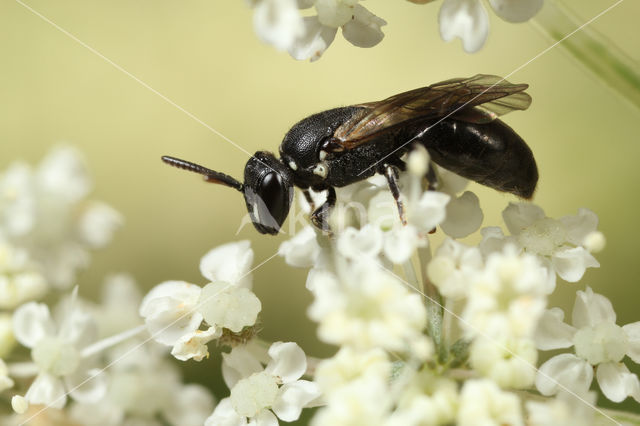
point(561, 243)
point(453, 267)
point(302, 250)
point(44, 212)
point(361, 402)
point(175, 310)
point(277, 22)
point(260, 394)
point(482, 402)
point(469, 21)
point(508, 296)
point(359, 27)
point(6, 382)
point(564, 410)
point(598, 342)
point(367, 307)
point(508, 362)
point(348, 365)
point(145, 388)
point(20, 280)
point(427, 400)
point(56, 349)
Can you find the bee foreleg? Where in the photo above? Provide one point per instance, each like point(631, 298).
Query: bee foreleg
point(391, 173)
point(320, 216)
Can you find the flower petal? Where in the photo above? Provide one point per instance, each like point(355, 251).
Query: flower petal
point(302, 250)
point(465, 19)
point(190, 406)
point(47, 390)
point(564, 370)
point(464, 216)
point(591, 309)
point(579, 226)
point(354, 243)
point(238, 364)
point(169, 311)
point(429, 211)
point(288, 361)
point(553, 332)
point(617, 382)
point(194, 345)
point(278, 22)
point(633, 338)
point(265, 418)
point(516, 10)
point(364, 28)
point(31, 322)
point(314, 41)
point(571, 263)
point(87, 386)
point(229, 306)
point(518, 216)
point(229, 262)
point(293, 397)
point(225, 415)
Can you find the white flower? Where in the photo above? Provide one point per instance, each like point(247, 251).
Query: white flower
point(349, 365)
point(278, 22)
point(56, 349)
point(427, 400)
point(361, 402)
point(20, 280)
point(302, 250)
point(44, 212)
point(6, 382)
point(598, 341)
point(510, 363)
point(366, 306)
point(508, 296)
point(464, 215)
point(174, 310)
point(7, 340)
point(564, 410)
point(561, 244)
point(453, 267)
point(143, 385)
point(469, 21)
point(257, 393)
point(482, 402)
point(359, 26)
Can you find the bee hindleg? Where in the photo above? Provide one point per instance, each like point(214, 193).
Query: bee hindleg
point(391, 173)
point(433, 183)
point(320, 216)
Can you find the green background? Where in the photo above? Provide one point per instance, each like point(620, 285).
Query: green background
point(205, 57)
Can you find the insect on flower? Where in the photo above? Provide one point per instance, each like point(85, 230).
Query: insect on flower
point(455, 120)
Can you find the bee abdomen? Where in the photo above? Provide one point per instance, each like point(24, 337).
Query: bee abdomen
point(492, 154)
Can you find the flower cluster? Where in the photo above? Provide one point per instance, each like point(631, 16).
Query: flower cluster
point(428, 330)
point(281, 23)
point(64, 359)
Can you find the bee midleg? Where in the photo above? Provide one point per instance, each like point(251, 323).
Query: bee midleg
point(320, 216)
point(307, 196)
point(391, 173)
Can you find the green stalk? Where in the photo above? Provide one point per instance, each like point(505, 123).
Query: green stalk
point(592, 50)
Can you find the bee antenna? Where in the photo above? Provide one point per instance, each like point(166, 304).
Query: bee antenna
point(209, 175)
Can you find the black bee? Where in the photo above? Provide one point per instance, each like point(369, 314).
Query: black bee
point(455, 120)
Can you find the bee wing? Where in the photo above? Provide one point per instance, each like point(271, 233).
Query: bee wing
point(479, 99)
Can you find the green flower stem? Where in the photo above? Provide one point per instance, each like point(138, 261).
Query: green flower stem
point(433, 301)
point(592, 50)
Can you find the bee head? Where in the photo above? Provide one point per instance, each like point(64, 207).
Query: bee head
point(268, 191)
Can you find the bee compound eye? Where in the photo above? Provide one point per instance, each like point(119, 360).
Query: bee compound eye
point(275, 200)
